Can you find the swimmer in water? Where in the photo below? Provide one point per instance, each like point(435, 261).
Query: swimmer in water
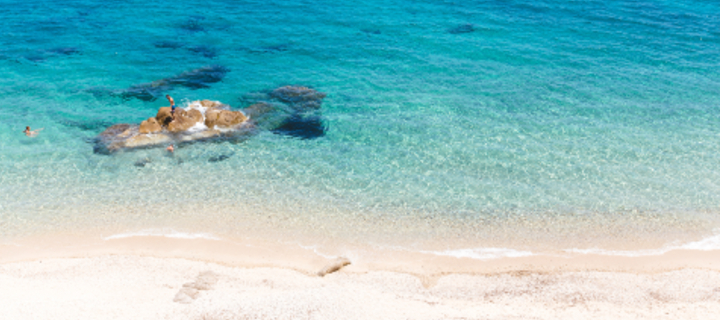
point(31, 133)
point(170, 149)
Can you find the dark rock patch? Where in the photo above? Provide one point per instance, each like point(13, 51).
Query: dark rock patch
point(297, 111)
point(167, 44)
point(42, 55)
point(35, 57)
point(371, 31)
point(101, 92)
point(115, 130)
point(301, 98)
point(303, 127)
point(221, 157)
point(146, 92)
point(277, 48)
point(142, 162)
point(200, 78)
point(205, 51)
point(268, 49)
point(192, 25)
point(88, 125)
point(463, 28)
point(64, 51)
point(193, 79)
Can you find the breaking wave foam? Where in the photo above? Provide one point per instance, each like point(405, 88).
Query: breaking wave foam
point(707, 244)
point(163, 233)
point(482, 253)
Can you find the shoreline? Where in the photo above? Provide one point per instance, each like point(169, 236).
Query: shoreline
point(308, 259)
point(78, 277)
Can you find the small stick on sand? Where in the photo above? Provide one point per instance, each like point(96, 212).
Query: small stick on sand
point(334, 266)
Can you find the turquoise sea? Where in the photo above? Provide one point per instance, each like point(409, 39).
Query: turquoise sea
point(509, 123)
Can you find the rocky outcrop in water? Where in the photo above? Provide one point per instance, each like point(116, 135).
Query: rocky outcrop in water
point(285, 107)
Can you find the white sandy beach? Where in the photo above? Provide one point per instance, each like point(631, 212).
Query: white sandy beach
point(140, 277)
point(133, 287)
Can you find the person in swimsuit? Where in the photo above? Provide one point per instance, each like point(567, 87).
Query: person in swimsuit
point(170, 149)
point(172, 105)
point(31, 133)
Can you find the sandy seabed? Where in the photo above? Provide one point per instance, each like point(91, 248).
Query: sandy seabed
point(161, 278)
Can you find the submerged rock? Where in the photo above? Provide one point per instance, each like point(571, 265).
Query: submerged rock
point(303, 127)
point(306, 97)
point(463, 28)
point(150, 125)
point(192, 25)
point(219, 158)
point(115, 130)
point(205, 51)
point(268, 49)
point(371, 31)
point(87, 125)
point(166, 44)
point(64, 51)
point(193, 79)
point(42, 55)
point(142, 162)
point(302, 118)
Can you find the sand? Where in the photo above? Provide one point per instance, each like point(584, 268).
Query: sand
point(71, 277)
point(134, 287)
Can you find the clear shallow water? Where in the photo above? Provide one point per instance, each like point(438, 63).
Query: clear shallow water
point(567, 114)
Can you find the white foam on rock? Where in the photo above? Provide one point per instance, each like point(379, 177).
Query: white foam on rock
point(163, 233)
point(200, 126)
point(196, 105)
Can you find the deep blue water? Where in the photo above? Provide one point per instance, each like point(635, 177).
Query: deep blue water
point(449, 109)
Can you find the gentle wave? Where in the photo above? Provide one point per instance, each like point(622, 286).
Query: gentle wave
point(482, 253)
point(314, 249)
point(163, 233)
point(707, 244)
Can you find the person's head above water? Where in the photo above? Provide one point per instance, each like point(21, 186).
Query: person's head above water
point(30, 133)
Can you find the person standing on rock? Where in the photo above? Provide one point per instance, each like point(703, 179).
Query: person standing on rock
point(172, 105)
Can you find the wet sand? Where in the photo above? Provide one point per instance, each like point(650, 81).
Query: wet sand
point(139, 277)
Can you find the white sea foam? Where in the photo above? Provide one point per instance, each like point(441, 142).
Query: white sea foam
point(315, 250)
point(163, 233)
point(200, 126)
point(707, 244)
point(482, 253)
